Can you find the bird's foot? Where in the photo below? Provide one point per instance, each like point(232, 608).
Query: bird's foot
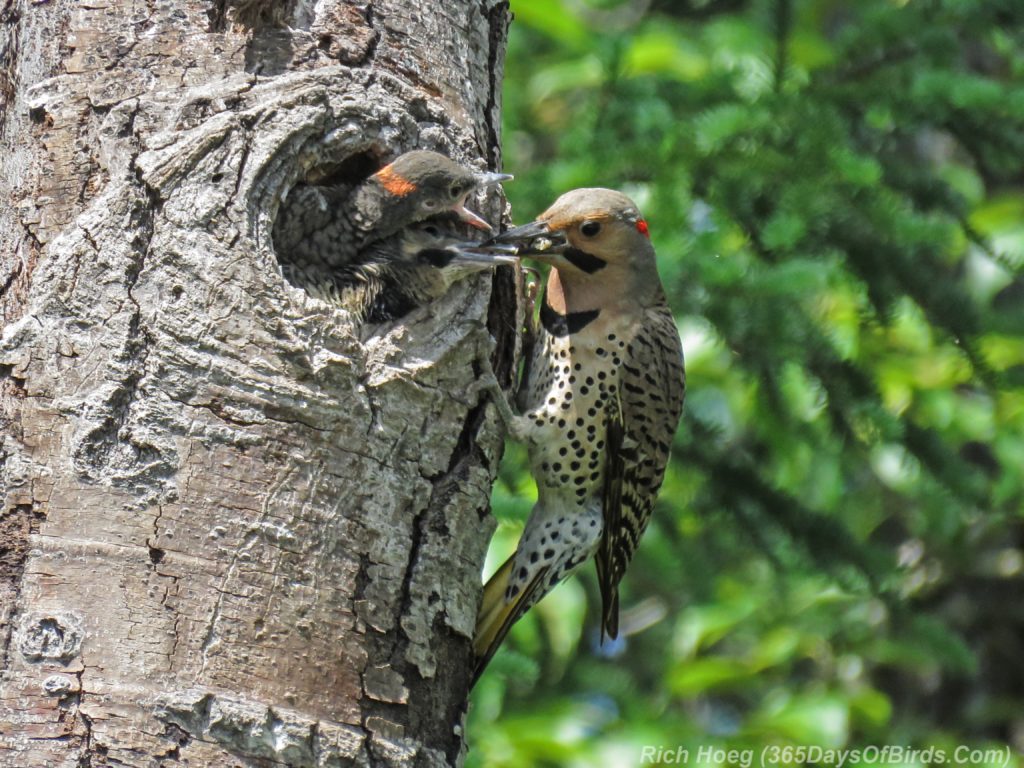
point(487, 382)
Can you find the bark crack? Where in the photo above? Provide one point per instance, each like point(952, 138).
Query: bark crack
point(17, 526)
point(371, 46)
point(11, 278)
point(9, 56)
point(156, 554)
point(497, 29)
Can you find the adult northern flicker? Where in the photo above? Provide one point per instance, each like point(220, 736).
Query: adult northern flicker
point(323, 232)
point(412, 267)
point(600, 400)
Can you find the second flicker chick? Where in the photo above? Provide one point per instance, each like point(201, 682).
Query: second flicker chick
point(411, 268)
point(333, 240)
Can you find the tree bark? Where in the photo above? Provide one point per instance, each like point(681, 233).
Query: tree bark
point(237, 529)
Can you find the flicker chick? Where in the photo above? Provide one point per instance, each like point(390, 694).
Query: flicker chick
point(324, 234)
point(413, 267)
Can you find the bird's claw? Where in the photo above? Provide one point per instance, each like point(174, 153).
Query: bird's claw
point(488, 383)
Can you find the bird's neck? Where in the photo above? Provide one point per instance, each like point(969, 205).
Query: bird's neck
point(554, 296)
point(568, 308)
point(615, 290)
point(583, 304)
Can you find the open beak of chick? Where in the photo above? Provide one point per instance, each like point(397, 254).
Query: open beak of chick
point(481, 181)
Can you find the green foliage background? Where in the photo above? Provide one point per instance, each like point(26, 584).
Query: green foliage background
point(836, 193)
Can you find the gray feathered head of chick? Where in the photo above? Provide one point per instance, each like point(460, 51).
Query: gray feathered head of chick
point(421, 184)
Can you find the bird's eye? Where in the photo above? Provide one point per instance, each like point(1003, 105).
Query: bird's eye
point(590, 228)
point(456, 191)
point(429, 204)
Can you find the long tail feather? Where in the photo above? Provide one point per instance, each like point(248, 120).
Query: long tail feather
point(498, 615)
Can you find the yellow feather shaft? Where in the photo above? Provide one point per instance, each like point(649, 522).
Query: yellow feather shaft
point(497, 616)
point(493, 611)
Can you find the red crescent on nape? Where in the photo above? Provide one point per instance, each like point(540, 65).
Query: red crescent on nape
point(393, 182)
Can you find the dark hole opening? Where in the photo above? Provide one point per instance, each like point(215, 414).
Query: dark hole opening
point(349, 171)
point(309, 233)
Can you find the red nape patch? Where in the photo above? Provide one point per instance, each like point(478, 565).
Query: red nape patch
point(641, 227)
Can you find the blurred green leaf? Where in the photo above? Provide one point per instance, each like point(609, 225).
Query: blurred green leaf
point(695, 676)
point(662, 52)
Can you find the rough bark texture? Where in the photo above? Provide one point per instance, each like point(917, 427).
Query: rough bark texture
point(236, 528)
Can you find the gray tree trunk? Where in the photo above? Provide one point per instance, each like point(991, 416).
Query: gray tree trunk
point(236, 529)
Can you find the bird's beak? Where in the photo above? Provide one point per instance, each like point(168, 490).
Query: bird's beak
point(471, 218)
point(490, 179)
point(468, 255)
point(535, 240)
point(481, 181)
point(484, 257)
